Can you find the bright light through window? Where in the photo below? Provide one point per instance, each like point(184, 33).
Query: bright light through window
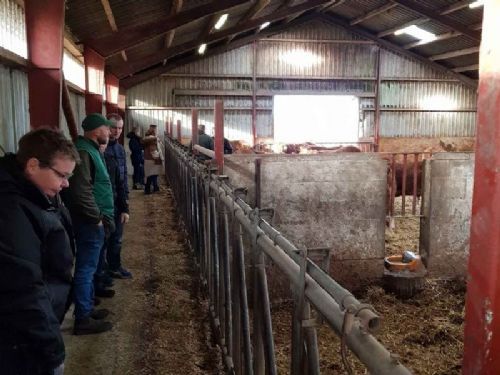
point(222, 20)
point(417, 32)
point(476, 4)
point(13, 28)
point(74, 71)
point(202, 49)
point(300, 58)
point(315, 118)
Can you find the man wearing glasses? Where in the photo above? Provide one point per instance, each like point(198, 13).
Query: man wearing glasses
point(90, 201)
point(36, 257)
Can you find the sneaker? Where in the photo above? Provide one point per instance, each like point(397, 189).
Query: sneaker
point(105, 293)
point(89, 326)
point(99, 314)
point(120, 273)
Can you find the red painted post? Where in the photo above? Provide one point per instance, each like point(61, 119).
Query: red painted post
point(482, 309)
point(219, 135)
point(94, 80)
point(44, 28)
point(112, 87)
point(179, 132)
point(194, 126)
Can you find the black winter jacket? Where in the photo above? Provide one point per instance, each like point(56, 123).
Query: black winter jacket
point(36, 261)
point(119, 194)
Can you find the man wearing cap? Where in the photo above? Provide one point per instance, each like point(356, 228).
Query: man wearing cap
point(90, 201)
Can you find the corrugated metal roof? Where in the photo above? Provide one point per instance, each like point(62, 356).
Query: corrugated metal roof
point(355, 8)
point(392, 18)
point(87, 19)
point(448, 45)
point(317, 30)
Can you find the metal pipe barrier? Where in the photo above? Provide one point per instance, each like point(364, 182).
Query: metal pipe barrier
point(215, 218)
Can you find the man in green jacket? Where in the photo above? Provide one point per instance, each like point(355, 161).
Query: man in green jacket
point(90, 201)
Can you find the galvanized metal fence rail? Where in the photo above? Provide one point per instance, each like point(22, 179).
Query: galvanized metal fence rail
point(215, 219)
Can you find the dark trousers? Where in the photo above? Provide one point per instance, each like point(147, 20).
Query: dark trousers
point(20, 360)
point(114, 250)
point(151, 180)
point(138, 175)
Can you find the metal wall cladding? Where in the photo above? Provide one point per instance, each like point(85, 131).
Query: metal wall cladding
point(14, 114)
point(155, 92)
point(13, 28)
point(317, 30)
point(321, 59)
point(393, 65)
point(237, 61)
point(191, 83)
point(237, 124)
point(204, 101)
point(427, 95)
point(320, 86)
point(428, 124)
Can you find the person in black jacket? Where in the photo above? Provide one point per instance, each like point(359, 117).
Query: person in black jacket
point(36, 257)
point(137, 158)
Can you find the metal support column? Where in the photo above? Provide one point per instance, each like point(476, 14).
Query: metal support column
point(219, 135)
point(179, 131)
point(482, 311)
point(94, 80)
point(376, 131)
point(254, 93)
point(44, 28)
point(194, 126)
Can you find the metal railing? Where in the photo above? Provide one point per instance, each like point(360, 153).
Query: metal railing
point(216, 219)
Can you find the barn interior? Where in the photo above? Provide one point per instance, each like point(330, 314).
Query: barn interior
point(353, 229)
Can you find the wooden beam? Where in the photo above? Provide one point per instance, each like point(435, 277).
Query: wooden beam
point(151, 73)
point(338, 21)
point(252, 12)
point(451, 54)
point(129, 37)
point(439, 17)
point(449, 35)
point(157, 57)
point(109, 15)
point(112, 22)
point(467, 68)
point(456, 6)
point(373, 13)
point(174, 9)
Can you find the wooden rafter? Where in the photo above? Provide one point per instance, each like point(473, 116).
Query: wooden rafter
point(373, 13)
point(467, 68)
point(174, 9)
point(143, 76)
point(457, 53)
point(111, 44)
point(252, 12)
point(439, 17)
point(112, 22)
point(338, 21)
point(157, 57)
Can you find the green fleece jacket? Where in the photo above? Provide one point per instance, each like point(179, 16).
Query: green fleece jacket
point(90, 195)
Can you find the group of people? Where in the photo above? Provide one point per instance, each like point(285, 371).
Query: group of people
point(59, 247)
point(146, 159)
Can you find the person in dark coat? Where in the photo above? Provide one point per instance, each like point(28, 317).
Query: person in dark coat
point(137, 158)
point(36, 257)
point(117, 170)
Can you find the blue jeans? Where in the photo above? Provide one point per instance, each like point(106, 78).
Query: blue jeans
point(89, 240)
point(151, 180)
point(115, 245)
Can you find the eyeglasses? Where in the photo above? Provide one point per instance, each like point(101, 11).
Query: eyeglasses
point(60, 174)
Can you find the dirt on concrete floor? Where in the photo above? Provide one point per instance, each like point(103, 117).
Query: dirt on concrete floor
point(160, 325)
